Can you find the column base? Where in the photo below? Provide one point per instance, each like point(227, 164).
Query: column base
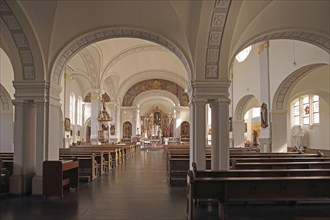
point(37, 186)
point(21, 184)
point(265, 145)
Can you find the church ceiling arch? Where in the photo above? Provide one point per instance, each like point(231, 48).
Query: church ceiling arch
point(156, 95)
point(155, 84)
point(150, 74)
point(128, 52)
point(243, 105)
point(20, 39)
point(81, 42)
point(5, 100)
point(217, 26)
point(281, 95)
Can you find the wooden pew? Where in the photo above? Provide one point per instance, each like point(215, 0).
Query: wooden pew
point(283, 165)
point(8, 161)
point(87, 164)
point(4, 179)
point(177, 166)
point(255, 188)
point(59, 175)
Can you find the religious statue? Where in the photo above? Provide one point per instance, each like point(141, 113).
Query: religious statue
point(254, 138)
point(104, 115)
point(112, 129)
point(264, 115)
point(298, 137)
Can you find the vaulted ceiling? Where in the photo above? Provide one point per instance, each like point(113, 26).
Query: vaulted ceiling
point(114, 65)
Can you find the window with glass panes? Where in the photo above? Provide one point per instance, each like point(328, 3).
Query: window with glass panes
point(305, 110)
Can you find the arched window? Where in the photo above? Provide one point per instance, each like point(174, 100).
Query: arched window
point(305, 110)
point(241, 56)
point(79, 111)
point(72, 108)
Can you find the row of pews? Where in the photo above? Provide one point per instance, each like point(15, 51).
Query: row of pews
point(96, 160)
point(6, 170)
point(253, 177)
point(93, 161)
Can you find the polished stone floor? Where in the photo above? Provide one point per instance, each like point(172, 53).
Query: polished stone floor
point(138, 189)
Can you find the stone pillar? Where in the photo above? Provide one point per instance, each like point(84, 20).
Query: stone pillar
point(279, 131)
point(138, 122)
point(174, 134)
point(41, 148)
point(215, 146)
point(118, 123)
point(24, 151)
point(134, 120)
point(265, 133)
point(95, 109)
point(224, 134)
point(220, 134)
point(197, 133)
point(238, 133)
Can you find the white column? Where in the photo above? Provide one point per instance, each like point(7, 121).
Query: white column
point(95, 104)
point(41, 149)
point(24, 151)
point(134, 120)
point(215, 146)
point(279, 131)
point(265, 133)
point(138, 121)
point(220, 135)
point(224, 134)
point(118, 123)
point(197, 133)
point(238, 133)
point(83, 126)
point(174, 134)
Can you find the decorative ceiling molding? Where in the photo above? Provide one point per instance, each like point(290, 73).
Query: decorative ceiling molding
point(317, 40)
point(241, 106)
point(82, 42)
point(20, 40)
point(155, 84)
point(150, 74)
point(288, 84)
point(217, 26)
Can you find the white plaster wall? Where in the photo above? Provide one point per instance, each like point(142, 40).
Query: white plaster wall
point(6, 74)
point(316, 82)
point(282, 54)
point(246, 77)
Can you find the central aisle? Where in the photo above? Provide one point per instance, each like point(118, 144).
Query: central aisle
point(136, 189)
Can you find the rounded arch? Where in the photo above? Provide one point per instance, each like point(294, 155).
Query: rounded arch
point(155, 84)
point(162, 94)
point(27, 58)
point(312, 38)
point(245, 103)
point(281, 96)
point(150, 74)
point(5, 100)
point(89, 38)
point(270, 20)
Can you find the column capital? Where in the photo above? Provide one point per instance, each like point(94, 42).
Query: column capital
point(262, 46)
point(37, 91)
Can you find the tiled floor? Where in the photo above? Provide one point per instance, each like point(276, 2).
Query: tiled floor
point(138, 189)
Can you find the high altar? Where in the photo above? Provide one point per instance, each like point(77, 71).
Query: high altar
point(156, 125)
